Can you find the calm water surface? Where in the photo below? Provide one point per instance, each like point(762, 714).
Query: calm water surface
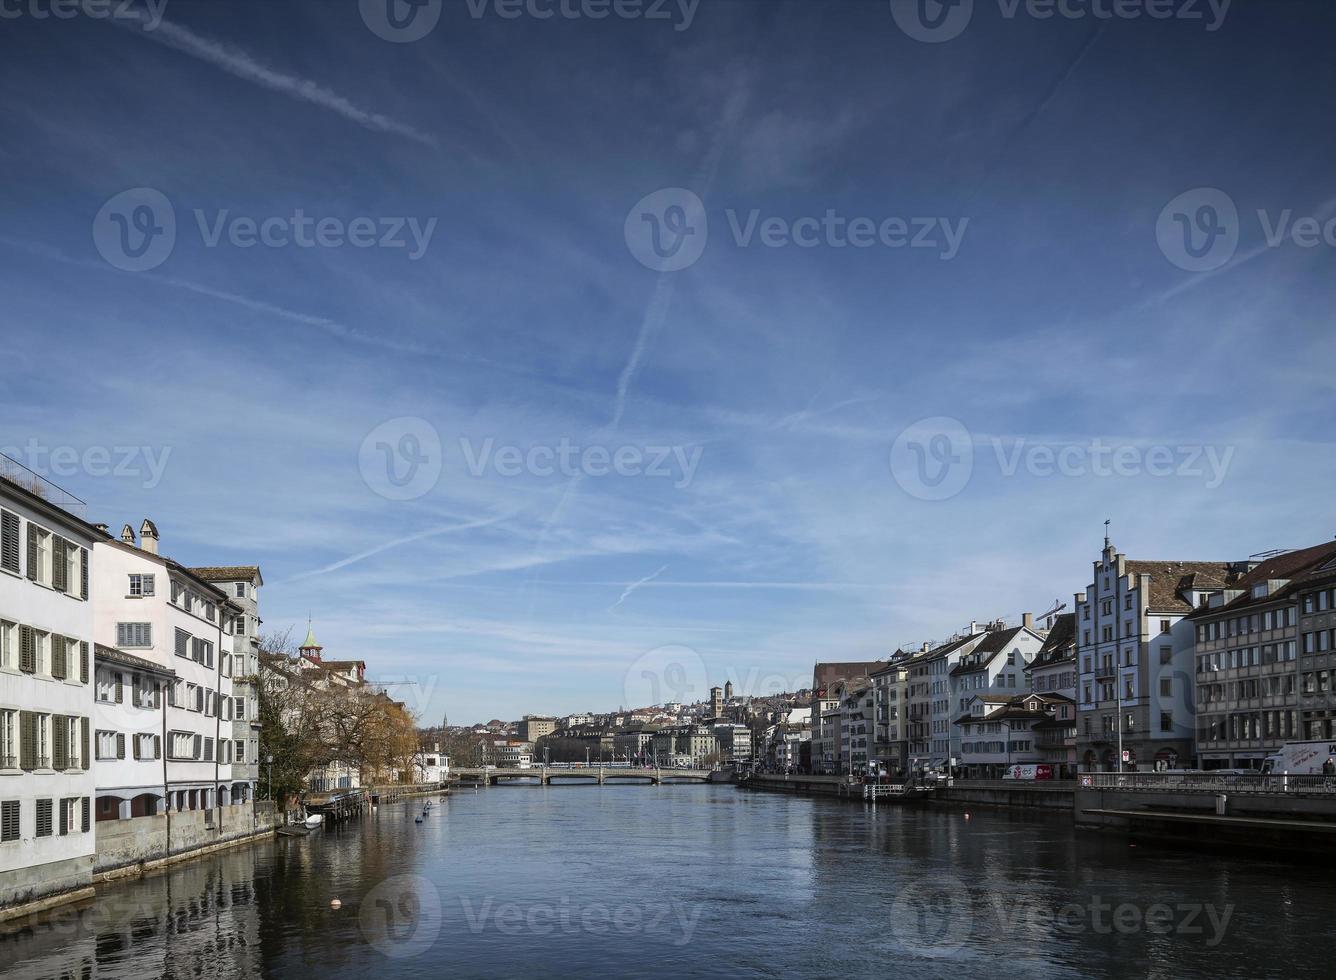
point(693, 881)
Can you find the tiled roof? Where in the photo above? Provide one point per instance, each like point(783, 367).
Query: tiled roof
point(1295, 566)
point(227, 573)
point(826, 675)
point(1171, 581)
point(1059, 645)
point(993, 643)
point(115, 656)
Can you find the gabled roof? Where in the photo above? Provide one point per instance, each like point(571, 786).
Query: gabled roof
point(1294, 566)
point(993, 643)
point(826, 675)
point(1060, 644)
point(112, 655)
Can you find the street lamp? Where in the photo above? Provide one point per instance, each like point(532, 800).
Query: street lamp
point(269, 760)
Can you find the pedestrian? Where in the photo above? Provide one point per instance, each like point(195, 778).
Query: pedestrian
point(1329, 767)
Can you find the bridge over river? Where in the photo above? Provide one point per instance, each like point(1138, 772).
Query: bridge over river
point(545, 775)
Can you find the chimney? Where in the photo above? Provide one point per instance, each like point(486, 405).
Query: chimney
point(103, 528)
point(1027, 620)
point(128, 534)
point(148, 535)
point(927, 645)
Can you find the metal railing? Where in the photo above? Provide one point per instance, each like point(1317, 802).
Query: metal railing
point(16, 473)
point(1208, 782)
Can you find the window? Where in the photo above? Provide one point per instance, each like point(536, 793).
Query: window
point(239, 627)
point(43, 818)
point(134, 634)
point(9, 820)
point(141, 585)
point(9, 652)
point(240, 592)
point(148, 746)
point(9, 738)
point(9, 541)
point(177, 593)
point(1166, 721)
point(1166, 687)
point(240, 751)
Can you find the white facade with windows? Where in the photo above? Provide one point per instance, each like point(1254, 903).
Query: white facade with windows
point(153, 609)
point(46, 634)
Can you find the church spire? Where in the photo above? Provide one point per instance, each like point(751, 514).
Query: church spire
point(309, 646)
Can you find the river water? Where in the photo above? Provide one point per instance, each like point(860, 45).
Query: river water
point(693, 881)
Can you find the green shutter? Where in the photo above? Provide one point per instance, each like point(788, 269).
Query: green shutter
point(87, 806)
point(83, 573)
point(83, 661)
point(27, 740)
point(27, 650)
point(32, 551)
point(84, 755)
point(60, 739)
point(64, 817)
point(120, 693)
point(59, 657)
point(9, 541)
point(120, 745)
point(59, 566)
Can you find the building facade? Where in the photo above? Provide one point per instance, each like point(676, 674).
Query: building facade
point(46, 699)
point(242, 585)
point(1134, 649)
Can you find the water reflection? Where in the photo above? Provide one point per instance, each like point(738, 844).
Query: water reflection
point(634, 881)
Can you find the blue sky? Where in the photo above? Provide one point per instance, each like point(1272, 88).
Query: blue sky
point(1055, 147)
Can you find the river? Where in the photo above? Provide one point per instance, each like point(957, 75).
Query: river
point(692, 881)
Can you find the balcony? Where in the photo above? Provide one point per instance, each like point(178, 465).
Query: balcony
point(16, 473)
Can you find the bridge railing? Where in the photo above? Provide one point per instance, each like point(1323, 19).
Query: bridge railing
point(1208, 782)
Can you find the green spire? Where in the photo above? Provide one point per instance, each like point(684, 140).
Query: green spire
point(310, 643)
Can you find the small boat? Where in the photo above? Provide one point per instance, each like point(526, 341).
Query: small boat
point(417, 820)
point(314, 820)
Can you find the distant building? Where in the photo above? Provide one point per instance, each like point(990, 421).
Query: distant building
point(534, 727)
point(716, 702)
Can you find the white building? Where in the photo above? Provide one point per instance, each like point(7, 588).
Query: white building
point(431, 766)
point(242, 584)
point(46, 700)
point(154, 609)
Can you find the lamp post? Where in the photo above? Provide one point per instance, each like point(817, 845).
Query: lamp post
point(269, 761)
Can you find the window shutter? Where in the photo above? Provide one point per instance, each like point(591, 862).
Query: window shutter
point(157, 694)
point(83, 573)
point(27, 740)
point(59, 566)
point(60, 739)
point(83, 661)
point(59, 657)
point(120, 688)
point(84, 755)
point(87, 806)
point(32, 551)
point(27, 650)
point(120, 745)
point(64, 817)
point(9, 541)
